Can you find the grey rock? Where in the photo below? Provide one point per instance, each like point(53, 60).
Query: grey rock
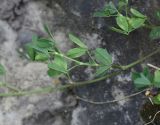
point(20, 19)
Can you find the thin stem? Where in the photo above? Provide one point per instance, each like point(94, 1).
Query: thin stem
point(91, 57)
point(152, 66)
point(12, 87)
point(73, 67)
point(9, 87)
point(23, 93)
point(70, 80)
point(152, 119)
point(112, 101)
point(78, 84)
point(78, 62)
point(108, 16)
point(50, 89)
point(126, 10)
point(140, 60)
point(48, 31)
point(150, 26)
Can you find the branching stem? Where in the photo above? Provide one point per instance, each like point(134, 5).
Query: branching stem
point(78, 84)
point(140, 60)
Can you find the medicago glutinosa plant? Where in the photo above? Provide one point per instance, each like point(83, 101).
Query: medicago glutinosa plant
point(60, 64)
point(128, 18)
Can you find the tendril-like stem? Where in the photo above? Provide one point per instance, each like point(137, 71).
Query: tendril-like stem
point(152, 119)
point(111, 101)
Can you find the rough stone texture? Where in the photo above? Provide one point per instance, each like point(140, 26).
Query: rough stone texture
point(19, 19)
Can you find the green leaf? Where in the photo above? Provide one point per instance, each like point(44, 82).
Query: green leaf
point(137, 13)
point(142, 81)
point(53, 73)
point(92, 62)
point(59, 64)
point(101, 14)
point(155, 33)
point(122, 22)
point(103, 57)
point(2, 70)
point(110, 7)
point(101, 70)
point(136, 22)
point(156, 99)
point(39, 45)
point(44, 43)
point(135, 75)
point(34, 38)
point(57, 67)
point(119, 30)
point(157, 78)
point(30, 51)
point(46, 28)
point(108, 10)
point(147, 74)
point(76, 52)
point(157, 14)
point(42, 50)
point(122, 4)
point(41, 57)
point(77, 41)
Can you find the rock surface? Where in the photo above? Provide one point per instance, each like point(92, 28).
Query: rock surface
point(20, 19)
